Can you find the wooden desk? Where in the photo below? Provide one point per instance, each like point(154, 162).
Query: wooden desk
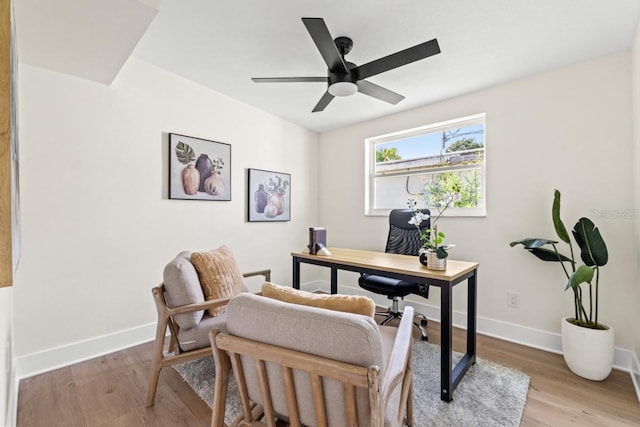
point(405, 267)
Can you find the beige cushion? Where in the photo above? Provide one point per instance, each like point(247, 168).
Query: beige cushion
point(182, 287)
point(198, 336)
point(356, 304)
point(332, 334)
point(219, 275)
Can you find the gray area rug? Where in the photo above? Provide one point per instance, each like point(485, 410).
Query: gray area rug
point(488, 395)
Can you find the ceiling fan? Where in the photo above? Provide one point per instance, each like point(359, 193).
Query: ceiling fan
point(346, 78)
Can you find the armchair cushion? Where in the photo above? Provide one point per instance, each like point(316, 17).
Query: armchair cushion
point(182, 287)
point(219, 275)
point(356, 304)
point(198, 336)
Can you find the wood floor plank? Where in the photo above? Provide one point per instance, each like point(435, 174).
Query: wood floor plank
point(111, 390)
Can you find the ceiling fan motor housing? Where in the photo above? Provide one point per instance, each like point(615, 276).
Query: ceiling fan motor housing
point(343, 84)
point(351, 77)
point(340, 83)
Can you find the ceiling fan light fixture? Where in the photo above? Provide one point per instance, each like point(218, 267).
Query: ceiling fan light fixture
point(343, 89)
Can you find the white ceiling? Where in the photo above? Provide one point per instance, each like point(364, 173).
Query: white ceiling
point(91, 39)
point(222, 44)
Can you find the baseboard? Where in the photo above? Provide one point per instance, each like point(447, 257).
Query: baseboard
point(48, 360)
point(12, 404)
point(635, 375)
point(530, 337)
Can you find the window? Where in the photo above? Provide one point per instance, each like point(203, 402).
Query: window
point(426, 162)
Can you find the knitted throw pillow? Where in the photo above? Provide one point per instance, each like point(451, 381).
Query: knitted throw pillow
point(219, 275)
point(357, 304)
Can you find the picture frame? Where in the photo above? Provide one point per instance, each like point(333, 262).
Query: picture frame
point(199, 169)
point(268, 196)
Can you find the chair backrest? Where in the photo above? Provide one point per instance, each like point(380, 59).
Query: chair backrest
point(330, 356)
point(404, 238)
point(182, 287)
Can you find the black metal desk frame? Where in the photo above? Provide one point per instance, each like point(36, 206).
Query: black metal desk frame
point(449, 378)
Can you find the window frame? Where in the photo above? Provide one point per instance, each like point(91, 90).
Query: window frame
point(370, 161)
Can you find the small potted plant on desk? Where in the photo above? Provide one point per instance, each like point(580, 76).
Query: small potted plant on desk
point(433, 254)
point(587, 344)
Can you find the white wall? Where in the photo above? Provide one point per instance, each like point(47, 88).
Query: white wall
point(635, 82)
point(97, 225)
point(571, 128)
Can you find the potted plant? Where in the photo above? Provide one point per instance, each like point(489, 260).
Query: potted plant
point(434, 253)
point(587, 344)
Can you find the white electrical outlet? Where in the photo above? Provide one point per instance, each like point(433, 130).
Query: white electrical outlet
point(513, 300)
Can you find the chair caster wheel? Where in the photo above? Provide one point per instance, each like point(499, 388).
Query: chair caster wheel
point(425, 338)
point(423, 322)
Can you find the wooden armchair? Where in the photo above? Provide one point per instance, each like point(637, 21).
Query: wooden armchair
point(311, 366)
point(182, 308)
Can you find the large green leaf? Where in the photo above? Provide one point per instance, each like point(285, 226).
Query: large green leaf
point(561, 230)
point(534, 245)
point(549, 255)
point(593, 250)
point(532, 242)
point(185, 153)
point(583, 274)
point(441, 253)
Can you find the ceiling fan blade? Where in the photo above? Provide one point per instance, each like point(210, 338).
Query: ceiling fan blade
point(379, 92)
point(325, 44)
point(398, 59)
point(289, 79)
point(324, 101)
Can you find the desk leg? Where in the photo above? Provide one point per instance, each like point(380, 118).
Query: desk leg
point(446, 341)
point(334, 280)
point(472, 303)
point(296, 273)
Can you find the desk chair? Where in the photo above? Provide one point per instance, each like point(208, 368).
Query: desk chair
point(404, 239)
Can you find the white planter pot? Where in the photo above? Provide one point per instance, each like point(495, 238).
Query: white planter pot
point(588, 352)
point(430, 259)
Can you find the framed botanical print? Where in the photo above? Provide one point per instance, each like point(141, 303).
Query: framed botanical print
point(269, 196)
point(199, 169)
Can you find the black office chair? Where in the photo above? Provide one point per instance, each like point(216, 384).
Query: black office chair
point(404, 238)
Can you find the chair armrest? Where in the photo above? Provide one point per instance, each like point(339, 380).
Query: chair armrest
point(189, 308)
point(396, 366)
point(158, 293)
point(265, 273)
point(165, 310)
point(216, 302)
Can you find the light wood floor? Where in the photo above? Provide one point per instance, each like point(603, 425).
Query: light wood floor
point(111, 390)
